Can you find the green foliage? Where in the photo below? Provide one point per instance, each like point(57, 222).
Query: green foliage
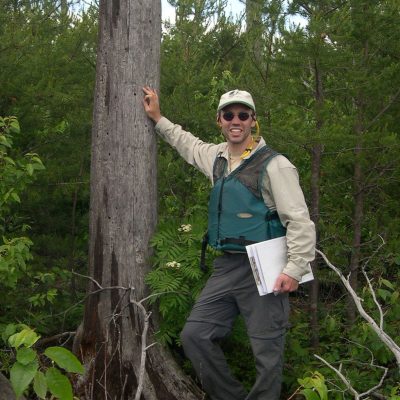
point(176, 282)
point(36, 288)
point(314, 387)
point(357, 351)
point(16, 173)
point(14, 254)
point(356, 65)
point(176, 278)
point(21, 376)
point(25, 337)
point(31, 370)
point(58, 384)
point(47, 68)
point(64, 359)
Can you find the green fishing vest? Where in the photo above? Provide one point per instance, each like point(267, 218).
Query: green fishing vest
point(237, 214)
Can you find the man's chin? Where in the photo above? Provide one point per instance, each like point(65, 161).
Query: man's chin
point(237, 140)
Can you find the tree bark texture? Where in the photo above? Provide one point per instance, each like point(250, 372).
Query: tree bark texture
point(123, 211)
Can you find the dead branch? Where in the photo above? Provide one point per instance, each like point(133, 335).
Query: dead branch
point(383, 336)
point(146, 318)
point(357, 396)
point(372, 291)
point(55, 338)
point(340, 375)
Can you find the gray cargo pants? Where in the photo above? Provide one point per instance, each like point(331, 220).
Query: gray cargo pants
point(229, 291)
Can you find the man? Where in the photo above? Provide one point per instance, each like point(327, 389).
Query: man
point(256, 196)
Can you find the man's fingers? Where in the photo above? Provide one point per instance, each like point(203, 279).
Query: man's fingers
point(278, 285)
point(150, 95)
point(151, 104)
point(149, 91)
point(284, 284)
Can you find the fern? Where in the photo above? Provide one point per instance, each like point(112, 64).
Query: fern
point(176, 276)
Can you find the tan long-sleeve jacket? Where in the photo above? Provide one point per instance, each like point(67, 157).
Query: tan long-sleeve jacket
point(281, 191)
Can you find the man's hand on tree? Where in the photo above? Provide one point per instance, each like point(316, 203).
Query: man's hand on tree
point(151, 104)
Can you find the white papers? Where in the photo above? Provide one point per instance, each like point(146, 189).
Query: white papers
point(267, 260)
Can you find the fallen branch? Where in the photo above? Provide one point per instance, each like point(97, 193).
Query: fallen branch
point(372, 291)
point(357, 396)
point(377, 328)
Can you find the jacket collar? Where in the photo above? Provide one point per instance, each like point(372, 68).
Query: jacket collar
point(225, 153)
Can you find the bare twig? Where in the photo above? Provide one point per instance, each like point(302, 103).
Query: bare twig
point(295, 393)
point(340, 375)
point(146, 318)
point(55, 338)
point(367, 349)
point(357, 396)
point(370, 285)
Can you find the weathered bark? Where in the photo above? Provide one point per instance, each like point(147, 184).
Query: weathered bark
point(123, 212)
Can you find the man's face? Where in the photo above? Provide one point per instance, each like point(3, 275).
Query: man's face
point(237, 131)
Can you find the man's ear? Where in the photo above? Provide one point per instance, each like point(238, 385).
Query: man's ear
point(218, 120)
point(254, 120)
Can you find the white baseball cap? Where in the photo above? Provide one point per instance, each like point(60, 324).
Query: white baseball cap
point(236, 97)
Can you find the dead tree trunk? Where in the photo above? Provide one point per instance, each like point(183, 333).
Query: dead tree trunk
point(123, 212)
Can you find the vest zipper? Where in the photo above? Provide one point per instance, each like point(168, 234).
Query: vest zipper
point(220, 209)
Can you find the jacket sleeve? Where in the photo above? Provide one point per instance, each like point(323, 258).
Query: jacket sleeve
point(196, 152)
point(282, 192)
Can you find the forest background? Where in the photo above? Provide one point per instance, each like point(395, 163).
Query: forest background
point(327, 95)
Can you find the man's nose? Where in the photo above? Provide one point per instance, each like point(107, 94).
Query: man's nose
point(236, 119)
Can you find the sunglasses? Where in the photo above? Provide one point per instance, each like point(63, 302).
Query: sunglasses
point(229, 115)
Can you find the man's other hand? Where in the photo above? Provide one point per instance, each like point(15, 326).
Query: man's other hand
point(285, 284)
